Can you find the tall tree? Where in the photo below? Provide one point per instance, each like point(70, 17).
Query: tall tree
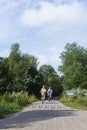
point(47, 71)
point(15, 67)
point(32, 79)
point(14, 59)
point(73, 66)
point(4, 75)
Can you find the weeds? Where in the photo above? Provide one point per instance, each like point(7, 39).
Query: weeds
point(11, 103)
point(77, 102)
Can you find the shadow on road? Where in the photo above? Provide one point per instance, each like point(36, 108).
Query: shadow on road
point(27, 118)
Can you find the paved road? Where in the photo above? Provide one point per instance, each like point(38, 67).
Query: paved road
point(47, 116)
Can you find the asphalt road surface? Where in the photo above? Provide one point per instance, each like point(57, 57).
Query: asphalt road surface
point(48, 116)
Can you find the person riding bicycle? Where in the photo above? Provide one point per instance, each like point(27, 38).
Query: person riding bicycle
point(43, 93)
point(49, 93)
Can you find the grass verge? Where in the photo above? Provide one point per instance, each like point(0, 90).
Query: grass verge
point(12, 103)
point(76, 102)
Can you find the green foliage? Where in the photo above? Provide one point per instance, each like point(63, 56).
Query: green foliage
point(51, 79)
point(4, 74)
point(11, 103)
point(78, 100)
point(32, 99)
point(7, 106)
point(19, 72)
point(74, 66)
point(32, 81)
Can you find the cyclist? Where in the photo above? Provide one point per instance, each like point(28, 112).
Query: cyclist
point(43, 94)
point(49, 93)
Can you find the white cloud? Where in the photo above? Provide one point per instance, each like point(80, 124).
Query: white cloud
point(42, 58)
point(54, 23)
point(55, 49)
point(62, 15)
point(4, 53)
point(54, 55)
point(51, 58)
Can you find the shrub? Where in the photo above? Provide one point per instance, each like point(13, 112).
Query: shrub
point(14, 102)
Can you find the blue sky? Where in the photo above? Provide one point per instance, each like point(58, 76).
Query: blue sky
point(42, 27)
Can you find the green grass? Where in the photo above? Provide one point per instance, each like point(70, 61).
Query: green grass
point(75, 102)
point(8, 108)
point(11, 103)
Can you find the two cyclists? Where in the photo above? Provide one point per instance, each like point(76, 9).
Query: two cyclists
point(43, 94)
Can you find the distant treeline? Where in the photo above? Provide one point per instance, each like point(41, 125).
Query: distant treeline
point(19, 73)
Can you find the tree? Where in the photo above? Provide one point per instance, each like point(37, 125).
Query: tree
point(74, 67)
point(15, 67)
point(4, 75)
point(29, 61)
point(51, 79)
point(14, 59)
point(32, 79)
point(47, 71)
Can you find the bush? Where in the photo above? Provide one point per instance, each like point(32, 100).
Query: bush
point(75, 101)
point(82, 101)
point(14, 102)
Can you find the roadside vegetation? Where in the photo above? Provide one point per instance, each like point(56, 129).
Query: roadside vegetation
point(76, 101)
point(74, 75)
point(11, 103)
point(21, 78)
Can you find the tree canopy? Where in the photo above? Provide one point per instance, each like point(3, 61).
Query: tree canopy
point(74, 66)
point(19, 72)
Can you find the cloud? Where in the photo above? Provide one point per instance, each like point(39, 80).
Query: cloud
point(45, 26)
point(4, 53)
point(55, 52)
point(42, 59)
point(54, 49)
point(50, 13)
point(51, 58)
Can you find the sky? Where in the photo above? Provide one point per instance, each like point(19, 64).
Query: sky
point(42, 27)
